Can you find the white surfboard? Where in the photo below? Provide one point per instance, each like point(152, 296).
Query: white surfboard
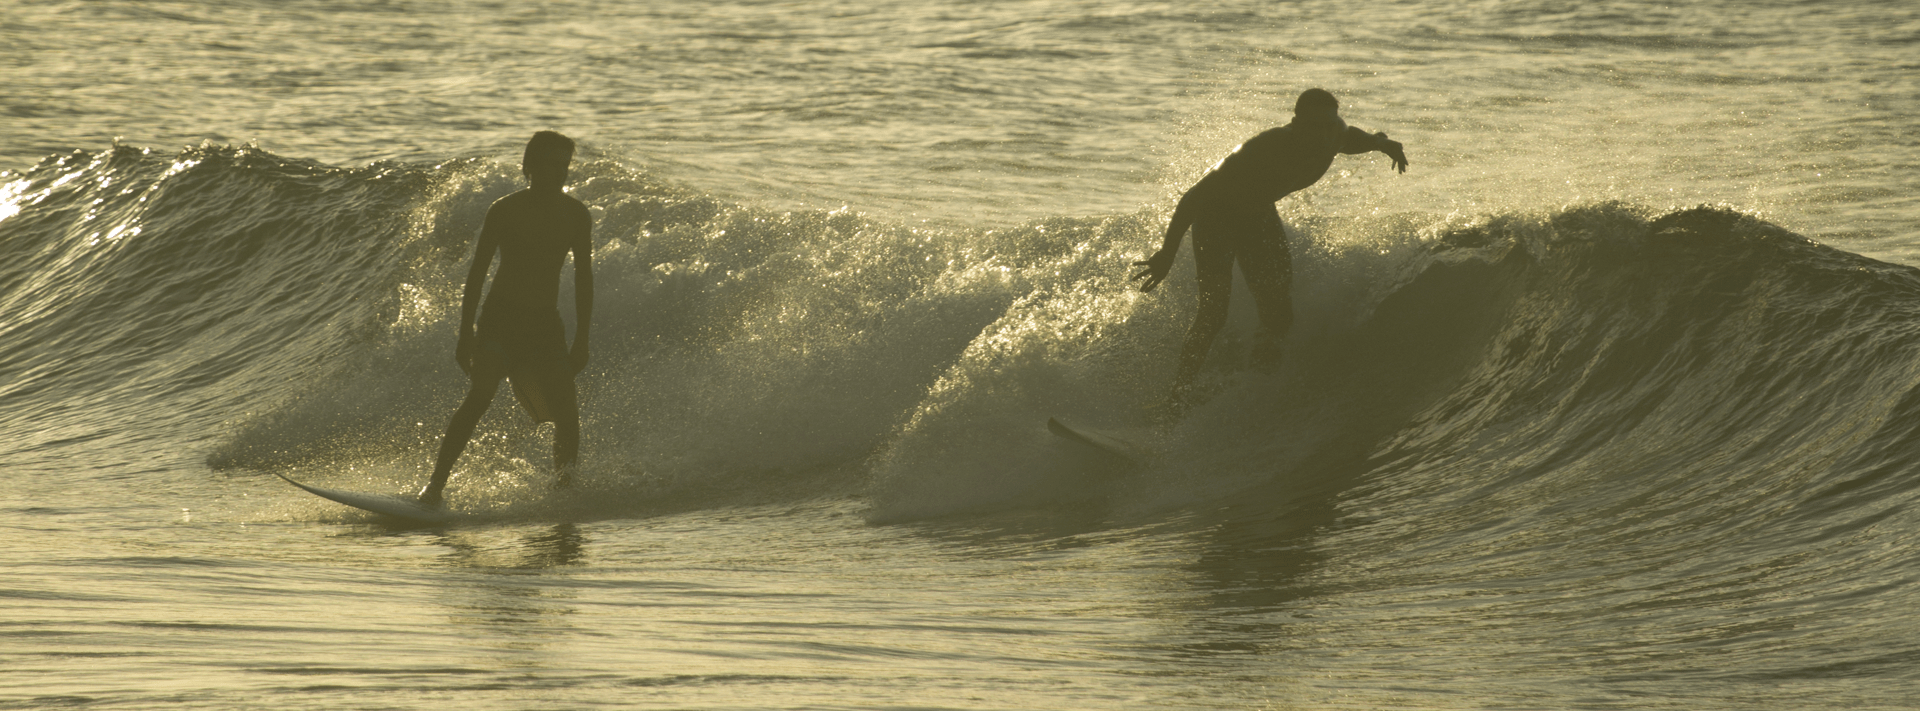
point(1102, 442)
point(395, 506)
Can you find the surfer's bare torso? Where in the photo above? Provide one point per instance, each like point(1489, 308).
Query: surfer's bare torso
point(533, 232)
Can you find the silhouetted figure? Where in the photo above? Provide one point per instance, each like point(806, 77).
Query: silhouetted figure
point(1233, 217)
point(519, 335)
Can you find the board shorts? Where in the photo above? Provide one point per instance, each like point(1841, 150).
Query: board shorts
point(530, 352)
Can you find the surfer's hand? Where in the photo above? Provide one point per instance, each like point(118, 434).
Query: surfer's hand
point(1157, 268)
point(1393, 149)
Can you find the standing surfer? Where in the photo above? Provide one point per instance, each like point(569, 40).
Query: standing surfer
point(1233, 217)
point(519, 335)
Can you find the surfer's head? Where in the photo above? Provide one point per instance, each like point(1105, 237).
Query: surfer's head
point(545, 162)
point(1316, 102)
point(1317, 111)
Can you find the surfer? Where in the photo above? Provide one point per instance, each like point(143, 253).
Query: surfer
point(1233, 217)
point(519, 335)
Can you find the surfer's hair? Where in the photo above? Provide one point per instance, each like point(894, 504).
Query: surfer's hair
point(1314, 101)
point(548, 143)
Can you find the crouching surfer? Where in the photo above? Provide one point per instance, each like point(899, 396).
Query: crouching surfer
point(519, 335)
point(1234, 220)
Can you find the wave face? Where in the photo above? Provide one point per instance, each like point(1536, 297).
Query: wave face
point(151, 295)
point(259, 312)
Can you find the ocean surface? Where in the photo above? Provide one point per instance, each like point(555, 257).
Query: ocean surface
point(1612, 401)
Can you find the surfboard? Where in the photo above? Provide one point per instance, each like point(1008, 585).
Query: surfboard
point(1099, 441)
point(395, 506)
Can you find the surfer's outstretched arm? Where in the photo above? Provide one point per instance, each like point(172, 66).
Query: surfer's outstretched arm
point(1359, 141)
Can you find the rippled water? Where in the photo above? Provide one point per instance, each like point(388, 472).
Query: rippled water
point(1008, 111)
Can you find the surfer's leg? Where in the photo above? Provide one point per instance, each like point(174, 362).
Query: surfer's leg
point(1213, 265)
point(459, 431)
point(487, 371)
point(1268, 268)
point(563, 398)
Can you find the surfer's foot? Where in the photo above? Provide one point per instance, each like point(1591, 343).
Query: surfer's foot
point(430, 497)
point(564, 481)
